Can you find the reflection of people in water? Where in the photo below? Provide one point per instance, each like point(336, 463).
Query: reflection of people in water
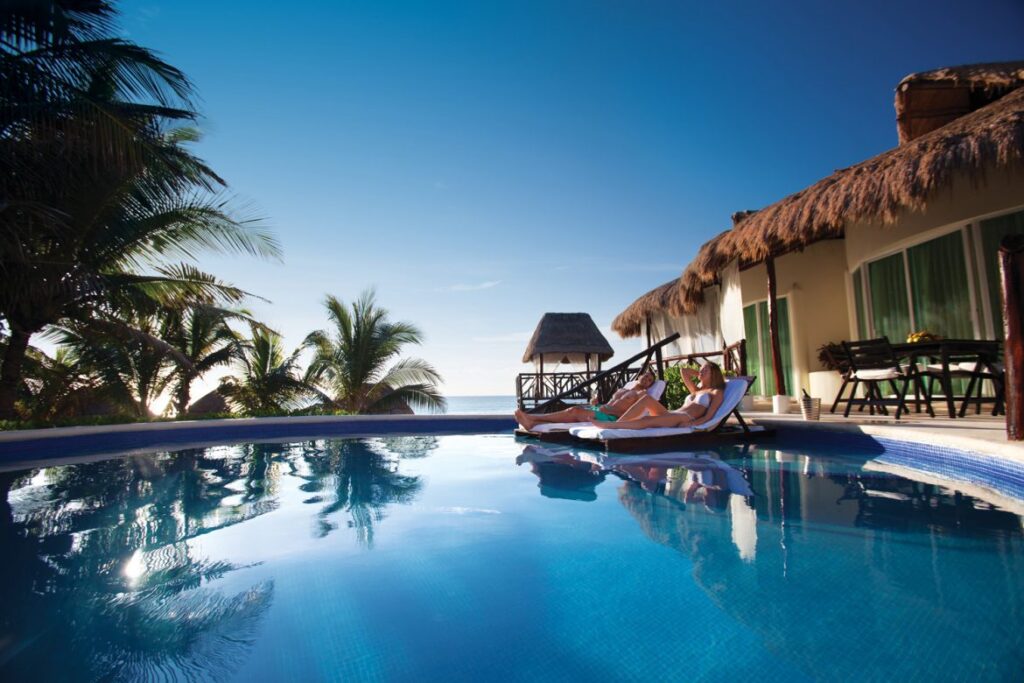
point(561, 475)
point(708, 485)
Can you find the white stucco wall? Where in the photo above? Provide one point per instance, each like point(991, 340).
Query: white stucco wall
point(815, 282)
point(963, 202)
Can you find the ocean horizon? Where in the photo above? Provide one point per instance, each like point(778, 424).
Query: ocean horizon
point(479, 405)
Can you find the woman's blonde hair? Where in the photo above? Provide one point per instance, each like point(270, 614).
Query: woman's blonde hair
point(716, 379)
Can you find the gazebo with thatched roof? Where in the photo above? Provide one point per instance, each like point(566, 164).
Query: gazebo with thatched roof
point(567, 338)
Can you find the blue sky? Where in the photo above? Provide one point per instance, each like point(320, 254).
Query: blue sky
point(481, 163)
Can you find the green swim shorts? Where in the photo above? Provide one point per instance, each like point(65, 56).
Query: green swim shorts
point(600, 415)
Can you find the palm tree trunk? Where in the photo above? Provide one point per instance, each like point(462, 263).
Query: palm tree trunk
point(10, 371)
point(183, 395)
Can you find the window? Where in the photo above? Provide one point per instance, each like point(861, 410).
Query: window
point(924, 287)
point(938, 283)
point(993, 231)
point(887, 291)
point(759, 350)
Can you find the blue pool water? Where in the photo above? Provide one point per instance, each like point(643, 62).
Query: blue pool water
point(484, 558)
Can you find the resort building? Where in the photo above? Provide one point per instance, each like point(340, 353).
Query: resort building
point(903, 242)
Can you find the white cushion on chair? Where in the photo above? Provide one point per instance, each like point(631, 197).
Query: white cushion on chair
point(973, 367)
point(879, 374)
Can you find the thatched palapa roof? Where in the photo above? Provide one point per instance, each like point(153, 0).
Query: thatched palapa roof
point(879, 189)
point(662, 298)
point(567, 333)
point(931, 99)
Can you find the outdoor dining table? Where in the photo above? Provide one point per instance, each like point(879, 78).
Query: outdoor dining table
point(948, 354)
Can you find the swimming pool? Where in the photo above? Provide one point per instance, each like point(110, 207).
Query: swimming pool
point(481, 557)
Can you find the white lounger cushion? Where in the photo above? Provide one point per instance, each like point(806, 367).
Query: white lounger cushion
point(555, 427)
point(735, 389)
point(880, 374)
point(654, 391)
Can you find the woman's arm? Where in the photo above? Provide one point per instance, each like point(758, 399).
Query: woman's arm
point(689, 377)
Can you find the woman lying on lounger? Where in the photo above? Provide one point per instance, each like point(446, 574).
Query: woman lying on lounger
point(699, 406)
point(608, 412)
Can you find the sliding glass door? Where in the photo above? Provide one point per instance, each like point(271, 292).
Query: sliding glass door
point(923, 287)
point(759, 350)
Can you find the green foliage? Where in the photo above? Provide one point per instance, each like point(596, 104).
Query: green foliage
point(675, 389)
point(356, 362)
point(266, 381)
point(105, 207)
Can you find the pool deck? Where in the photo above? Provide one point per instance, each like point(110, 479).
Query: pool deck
point(979, 434)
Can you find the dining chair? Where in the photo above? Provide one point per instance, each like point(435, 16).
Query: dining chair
point(873, 363)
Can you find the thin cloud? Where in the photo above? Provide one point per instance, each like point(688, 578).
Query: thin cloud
point(469, 287)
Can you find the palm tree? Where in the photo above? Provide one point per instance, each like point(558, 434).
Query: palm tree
point(132, 372)
point(266, 381)
point(202, 335)
point(355, 362)
point(101, 197)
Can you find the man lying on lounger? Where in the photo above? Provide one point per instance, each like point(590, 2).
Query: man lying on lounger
point(707, 389)
point(608, 412)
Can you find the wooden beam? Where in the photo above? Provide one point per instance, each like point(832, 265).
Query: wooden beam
point(773, 329)
point(1011, 281)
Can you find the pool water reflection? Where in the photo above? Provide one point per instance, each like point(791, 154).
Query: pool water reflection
point(480, 557)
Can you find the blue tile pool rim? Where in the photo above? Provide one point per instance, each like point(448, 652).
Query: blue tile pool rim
point(118, 439)
point(31, 447)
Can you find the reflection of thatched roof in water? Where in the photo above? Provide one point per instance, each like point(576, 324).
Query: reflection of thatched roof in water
point(788, 596)
point(567, 333)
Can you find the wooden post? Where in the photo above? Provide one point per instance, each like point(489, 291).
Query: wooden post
point(773, 330)
point(1011, 284)
point(647, 330)
point(587, 356)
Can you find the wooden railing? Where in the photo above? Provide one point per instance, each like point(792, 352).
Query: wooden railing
point(540, 393)
point(732, 358)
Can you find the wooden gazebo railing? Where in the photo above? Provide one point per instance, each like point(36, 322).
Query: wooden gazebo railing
point(731, 358)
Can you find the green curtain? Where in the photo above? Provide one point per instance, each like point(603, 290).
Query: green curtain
point(939, 288)
point(750, 330)
point(993, 231)
point(890, 314)
point(765, 385)
point(858, 297)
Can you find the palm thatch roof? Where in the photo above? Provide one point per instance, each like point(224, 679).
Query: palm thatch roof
point(664, 297)
point(929, 100)
point(879, 189)
point(567, 333)
point(209, 404)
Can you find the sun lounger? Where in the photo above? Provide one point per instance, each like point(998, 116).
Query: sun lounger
point(661, 438)
point(559, 431)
